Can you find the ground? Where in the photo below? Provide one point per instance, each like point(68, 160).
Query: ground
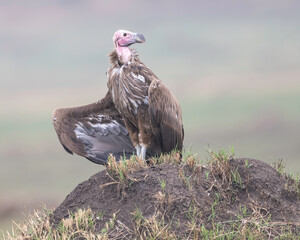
point(174, 199)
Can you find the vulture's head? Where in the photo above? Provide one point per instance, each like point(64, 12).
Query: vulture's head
point(124, 38)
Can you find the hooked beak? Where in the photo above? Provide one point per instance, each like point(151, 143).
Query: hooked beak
point(139, 38)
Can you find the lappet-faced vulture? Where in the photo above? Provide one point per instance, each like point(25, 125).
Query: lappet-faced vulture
point(137, 115)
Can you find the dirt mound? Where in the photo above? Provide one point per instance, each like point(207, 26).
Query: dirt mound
point(186, 197)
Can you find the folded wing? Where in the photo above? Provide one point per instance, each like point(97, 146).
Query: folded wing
point(93, 131)
point(166, 117)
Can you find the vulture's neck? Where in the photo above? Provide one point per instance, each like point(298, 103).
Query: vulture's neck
point(121, 56)
point(124, 54)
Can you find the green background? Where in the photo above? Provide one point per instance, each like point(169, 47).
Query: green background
point(233, 65)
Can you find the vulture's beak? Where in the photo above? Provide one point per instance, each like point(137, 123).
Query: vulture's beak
point(139, 38)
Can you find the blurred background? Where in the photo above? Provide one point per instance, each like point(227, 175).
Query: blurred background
point(233, 65)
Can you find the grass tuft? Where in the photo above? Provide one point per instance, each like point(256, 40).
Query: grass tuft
point(80, 225)
point(153, 227)
point(220, 171)
point(292, 182)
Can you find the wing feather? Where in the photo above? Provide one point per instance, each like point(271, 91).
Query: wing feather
point(166, 117)
point(93, 131)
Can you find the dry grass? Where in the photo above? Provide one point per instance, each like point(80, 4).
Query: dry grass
point(81, 225)
point(123, 168)
point(220, 169)
point(252, 222)
point(293, 182)
point(37, 226)
point(153, 227)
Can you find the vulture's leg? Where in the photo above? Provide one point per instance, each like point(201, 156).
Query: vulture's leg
point(134, 136)
point(143, 152)
point(145, 132)
point(138, 149)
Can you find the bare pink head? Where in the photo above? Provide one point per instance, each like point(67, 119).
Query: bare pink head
point(124, 38)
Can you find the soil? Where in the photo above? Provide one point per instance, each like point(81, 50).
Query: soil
point(200, 194)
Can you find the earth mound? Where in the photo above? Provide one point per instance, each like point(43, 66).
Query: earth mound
point(184, 199)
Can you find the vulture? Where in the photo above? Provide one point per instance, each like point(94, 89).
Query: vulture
point(138, 115)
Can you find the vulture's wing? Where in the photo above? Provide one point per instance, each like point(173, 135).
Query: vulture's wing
point(93, 131)
point(166, 117)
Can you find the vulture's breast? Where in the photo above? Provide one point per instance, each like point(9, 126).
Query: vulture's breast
point(129, 90)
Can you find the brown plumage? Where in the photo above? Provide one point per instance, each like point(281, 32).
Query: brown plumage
point(138, 112)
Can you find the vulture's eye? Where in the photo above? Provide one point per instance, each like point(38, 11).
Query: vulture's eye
point(124, 34)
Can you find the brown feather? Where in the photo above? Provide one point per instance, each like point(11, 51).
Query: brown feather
point(93, 131)
point(166, 117)
point(135, 87)
point(138, 109)
point(128, 91)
